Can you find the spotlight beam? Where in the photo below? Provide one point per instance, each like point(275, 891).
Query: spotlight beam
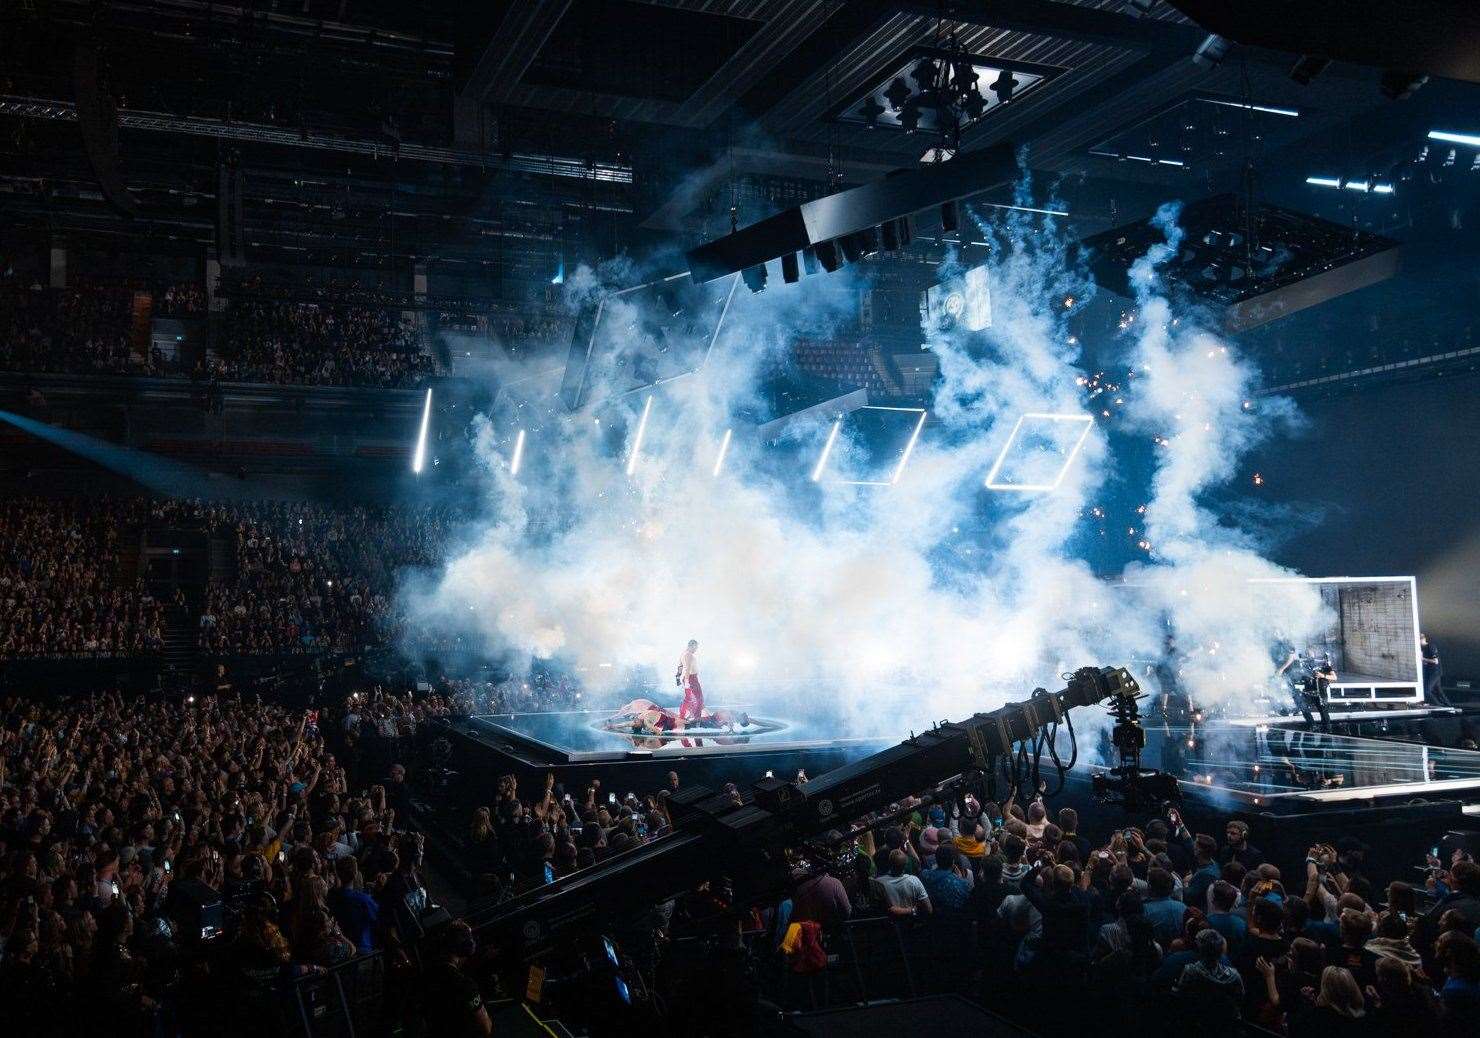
point(832, 437)
point(419, 458)
point(518, 457)
point(647, 408)
point(724, 448)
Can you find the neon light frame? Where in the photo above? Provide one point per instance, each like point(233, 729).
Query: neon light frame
point(898, 467)
point(992, 484)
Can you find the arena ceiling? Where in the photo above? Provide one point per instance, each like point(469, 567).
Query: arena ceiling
point(600, 112)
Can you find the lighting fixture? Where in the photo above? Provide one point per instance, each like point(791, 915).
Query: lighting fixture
point(827, 255)
point(1470, 140)
point(924, 74)
point(949, 218)
point(1250, 106)
point(1211, 52)
point(1003, 86)
point(898, 93)
point(1363, 185)
point(909, 118)
point(1399, 85)
point(1307, 68)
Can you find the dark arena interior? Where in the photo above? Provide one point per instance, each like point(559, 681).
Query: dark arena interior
point(739, 517)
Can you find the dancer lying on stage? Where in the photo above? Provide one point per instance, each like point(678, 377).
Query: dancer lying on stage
point(647, 717)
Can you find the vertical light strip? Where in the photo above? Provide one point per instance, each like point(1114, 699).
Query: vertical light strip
point(908, 450)
point(724, 448)
point(647, 408)
point(419, 458)
point(827, 447)
point(518, 457)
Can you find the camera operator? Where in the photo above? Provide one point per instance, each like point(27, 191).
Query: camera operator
point(453, 1001)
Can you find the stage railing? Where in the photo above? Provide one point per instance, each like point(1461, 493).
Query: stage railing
point(345, 1001)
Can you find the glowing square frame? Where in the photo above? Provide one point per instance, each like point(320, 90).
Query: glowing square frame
point(904, 458)
point(992, 483)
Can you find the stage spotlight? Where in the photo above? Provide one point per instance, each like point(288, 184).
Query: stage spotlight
point(1003, 87)
point(974, 105)
point(827, 255)
point(898, 93)
point(871, 111)
point(964, 77)
point(910, 117)
point(647, 408)
point(789, 271)
point(1400, 86)
point(755, 277)
point(1211, 52)
point(852, 247)
point(518, 457)
point(419, 456)
point(924, 73)
point(949, 219)
point(810, 265)
point(1308, 68)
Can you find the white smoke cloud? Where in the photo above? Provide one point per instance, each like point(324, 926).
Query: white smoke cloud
point(861, 603)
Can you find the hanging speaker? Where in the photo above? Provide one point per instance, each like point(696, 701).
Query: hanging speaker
point(97, 118)
point(827, 255)
point(949, 219)
point(789, 272)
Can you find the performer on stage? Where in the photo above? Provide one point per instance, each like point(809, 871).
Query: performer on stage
point(646, 717)
point(687, 678)
point(1308, 680)
point(1433, 689)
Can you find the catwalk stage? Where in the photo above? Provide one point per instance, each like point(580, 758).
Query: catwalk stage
point(1269, 764)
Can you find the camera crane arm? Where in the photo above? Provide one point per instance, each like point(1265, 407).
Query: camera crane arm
point(748, 839)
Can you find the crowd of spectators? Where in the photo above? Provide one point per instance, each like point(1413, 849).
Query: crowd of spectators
point(62, 589)
point(106, 804)
point(318, 344)
point(1159, 919)
point(313, 578)
point(1059, 928)
point(180, 299)
point(78, 331)
point(113, 810)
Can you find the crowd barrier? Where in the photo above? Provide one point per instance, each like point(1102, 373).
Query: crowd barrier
point(346, 1001)
point(882, 959)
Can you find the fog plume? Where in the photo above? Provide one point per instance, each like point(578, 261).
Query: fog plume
point(883, 607)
